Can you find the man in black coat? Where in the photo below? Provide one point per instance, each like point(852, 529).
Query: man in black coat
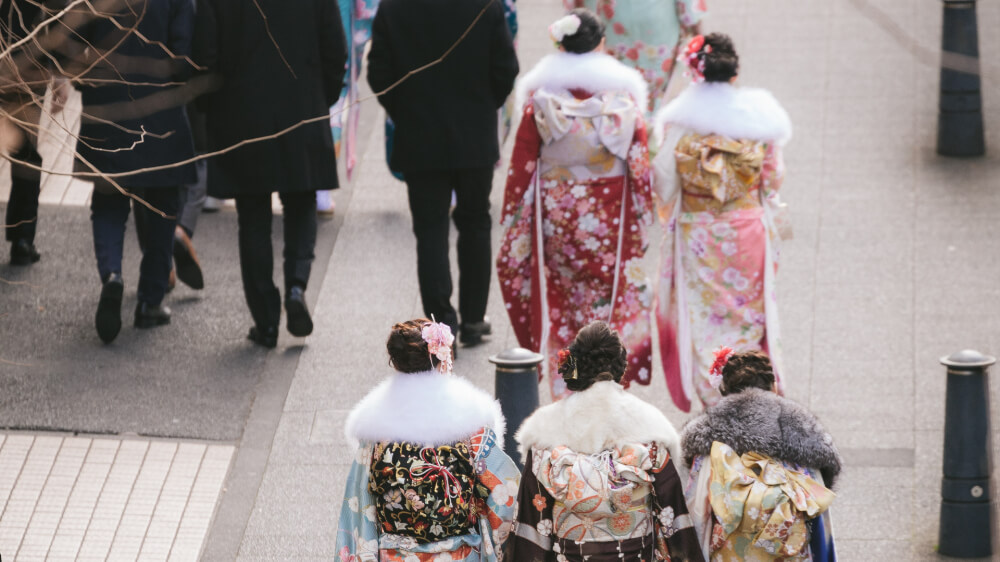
point(279, 65)
point(446, 137)
point(133, 119)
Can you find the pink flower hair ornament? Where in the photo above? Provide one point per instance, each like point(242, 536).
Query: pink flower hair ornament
point(439, 340)
point(722, 356)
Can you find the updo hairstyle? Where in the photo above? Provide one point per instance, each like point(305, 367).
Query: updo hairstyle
point(721, 61)
point(588, 36)
point(750, 369)
point(598, 355)
point(407, 349)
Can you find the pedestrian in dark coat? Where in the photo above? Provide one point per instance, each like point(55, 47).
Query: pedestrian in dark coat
point(24, 72)
point(446, 137)
point(279, 65)
point(132, 120)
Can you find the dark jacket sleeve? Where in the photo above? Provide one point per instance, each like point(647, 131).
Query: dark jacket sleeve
point(333, 50)
point(180, 36)
point(671, 519)
point(381, 70)
point(205, 48)
point(534, 504)
point(503, 58)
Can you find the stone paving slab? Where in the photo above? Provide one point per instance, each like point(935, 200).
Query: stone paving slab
point(76, 497)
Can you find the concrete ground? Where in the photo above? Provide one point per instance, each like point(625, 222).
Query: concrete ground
point(893, 265)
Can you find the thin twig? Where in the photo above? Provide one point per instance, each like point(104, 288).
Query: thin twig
point(267, 28)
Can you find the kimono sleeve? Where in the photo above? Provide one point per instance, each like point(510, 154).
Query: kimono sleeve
point(640, 176)
point(498, 474)
point(690, 13)
point(674, 526)
point(357, 532)
point(772, 173)
point(523, 164)
point(531, 540)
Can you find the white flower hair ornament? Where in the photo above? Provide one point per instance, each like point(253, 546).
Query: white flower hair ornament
point(566, 25)
point(439, 339)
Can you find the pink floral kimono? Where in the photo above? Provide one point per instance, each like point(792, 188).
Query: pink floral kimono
point(577, 203)
point(718, 173)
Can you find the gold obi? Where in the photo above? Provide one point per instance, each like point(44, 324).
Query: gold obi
point(718, 174)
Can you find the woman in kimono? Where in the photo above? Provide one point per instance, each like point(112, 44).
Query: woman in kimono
point(430, 480)
point(599, 482)
point(578, 201)
point(718, 172)
point(755, 439)
point(647, 34)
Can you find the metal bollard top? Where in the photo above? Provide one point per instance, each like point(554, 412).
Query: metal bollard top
point(517, 357)
point(968, 359)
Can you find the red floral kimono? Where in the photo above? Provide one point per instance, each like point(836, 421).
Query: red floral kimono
point(578, 189)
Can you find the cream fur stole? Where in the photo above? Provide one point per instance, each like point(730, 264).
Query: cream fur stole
point(427, 408)
point(594, 72)
point(599, 418)
point(723, 109)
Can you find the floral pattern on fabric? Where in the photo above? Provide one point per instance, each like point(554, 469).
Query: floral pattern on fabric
point(356, 17)
point(426, 493)
point(646, 34)
point(492, 474)
point(761, 507)
point(718, 241)
point(590, 161)
point(624, 503)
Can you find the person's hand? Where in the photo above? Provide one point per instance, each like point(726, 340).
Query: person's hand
point(60, 93)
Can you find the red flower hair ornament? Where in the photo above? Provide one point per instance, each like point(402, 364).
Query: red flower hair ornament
point(694, 57)
point(567, 363)
point(722, 356)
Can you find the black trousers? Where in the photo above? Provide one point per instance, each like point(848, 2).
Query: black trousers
point(430, 200)
point(22, 207)
point(257, 256)
point(108, 215)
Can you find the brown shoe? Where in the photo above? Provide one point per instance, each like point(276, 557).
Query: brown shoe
point(171, 280)
point(186, 261)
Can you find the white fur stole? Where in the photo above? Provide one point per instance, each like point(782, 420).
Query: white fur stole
point(427, 408)
point(594, 72)
point(723, 109)
point(599, 418)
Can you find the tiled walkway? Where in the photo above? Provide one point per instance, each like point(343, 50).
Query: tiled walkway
point(70, 497)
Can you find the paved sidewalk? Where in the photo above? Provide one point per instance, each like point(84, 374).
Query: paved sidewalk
point(893, 266)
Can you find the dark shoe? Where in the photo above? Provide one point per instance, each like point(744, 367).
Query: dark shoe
point(472, 334)
point(109, 309)
point(267, 337)
point(300, 324)
point(186, 261)
point(23, 252)
point(149, 316)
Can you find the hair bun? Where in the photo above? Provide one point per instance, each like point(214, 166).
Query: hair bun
point(597, 354)
point(580, 31)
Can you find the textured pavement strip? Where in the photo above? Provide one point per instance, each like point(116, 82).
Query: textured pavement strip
point(67, 497)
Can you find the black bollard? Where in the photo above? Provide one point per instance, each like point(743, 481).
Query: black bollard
point(960, 115)
point(965, 489)
point(516, 388)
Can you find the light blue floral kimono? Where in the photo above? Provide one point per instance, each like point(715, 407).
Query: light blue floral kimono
point(360, 538)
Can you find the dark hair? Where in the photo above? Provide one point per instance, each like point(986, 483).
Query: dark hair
point(588, 36)
point(597, 355)
point(407, 349)
point(750, 369)
point(722, 63)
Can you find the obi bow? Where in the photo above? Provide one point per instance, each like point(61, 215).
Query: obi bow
point(724, 168)
point(762, 499)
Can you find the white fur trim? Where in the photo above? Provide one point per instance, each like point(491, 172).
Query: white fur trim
point(599, 418)
point(426, 408)
point(594, 72)
point(723, 109)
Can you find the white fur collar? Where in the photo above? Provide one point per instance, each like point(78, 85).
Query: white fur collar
point(724, 109)
point(599, 418)
point(594, 72)
point(427, 408)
